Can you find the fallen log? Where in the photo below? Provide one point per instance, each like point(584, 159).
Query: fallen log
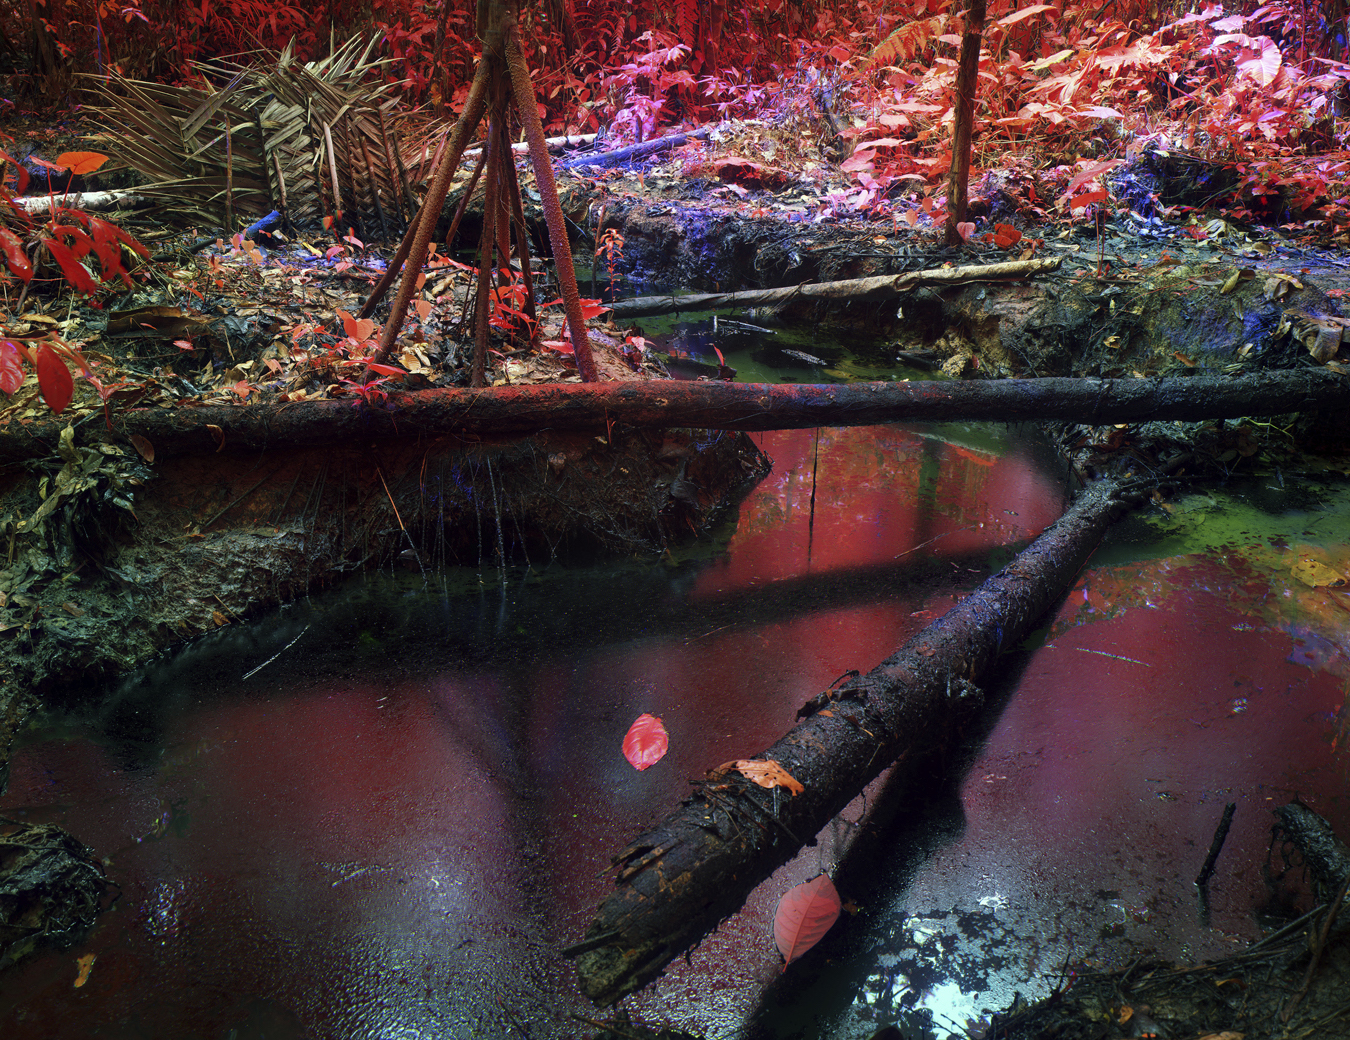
point(876, 287)
point(555, 144)
point(633, 151)
point(516, 410)
point(117, 198)
point(676, 882)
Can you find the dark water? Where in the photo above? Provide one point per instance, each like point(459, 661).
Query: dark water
point(377, 814)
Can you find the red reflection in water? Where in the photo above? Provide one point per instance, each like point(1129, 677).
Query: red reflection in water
point(872, 505)
point(362, 860)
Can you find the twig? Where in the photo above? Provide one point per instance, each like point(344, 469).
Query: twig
point(255, 671)
point(1216, 845)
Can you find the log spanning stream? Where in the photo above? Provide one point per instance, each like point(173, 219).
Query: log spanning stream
point(383, 812)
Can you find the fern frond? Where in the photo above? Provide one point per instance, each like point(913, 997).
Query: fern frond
point(905, 42)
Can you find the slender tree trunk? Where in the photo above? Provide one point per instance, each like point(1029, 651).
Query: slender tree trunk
point(967, 83)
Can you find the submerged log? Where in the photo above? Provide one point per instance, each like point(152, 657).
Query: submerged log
point(511, 411)
point(876, 287)
point(679, 880)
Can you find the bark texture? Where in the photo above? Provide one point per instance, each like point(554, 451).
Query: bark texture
point(515, 410)
point(677, 881)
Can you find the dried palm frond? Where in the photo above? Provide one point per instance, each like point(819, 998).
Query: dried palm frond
point(310, 139)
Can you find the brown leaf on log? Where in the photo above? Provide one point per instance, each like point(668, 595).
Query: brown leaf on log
point(765, 773)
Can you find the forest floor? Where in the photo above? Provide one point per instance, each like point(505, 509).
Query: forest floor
point(117, 551)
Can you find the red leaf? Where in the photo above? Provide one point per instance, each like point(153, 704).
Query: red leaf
point(107, 242)
point(143, 445)
point(592, 308)
point(1085, 175)
point(646, 742)
point(18, 259)
point(11, 368)
point(83, 245)
point(805, 914)
point(104, 231)
point(54, 379)
point(81, 162)
point(1082, 201)
point(21, 175)
point(386, 370)
point(359, 329)
point(74, 271)
point(589, 308)
point(1026, 12)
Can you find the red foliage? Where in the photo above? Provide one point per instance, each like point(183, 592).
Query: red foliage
point(54, 379)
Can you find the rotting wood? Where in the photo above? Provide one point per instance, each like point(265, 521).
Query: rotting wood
point(515, 410)
point(679, 880)
point(876, 287)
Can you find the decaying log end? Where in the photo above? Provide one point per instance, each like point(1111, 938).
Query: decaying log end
point(1326, 857)
point(661, 910)
point(611, 972)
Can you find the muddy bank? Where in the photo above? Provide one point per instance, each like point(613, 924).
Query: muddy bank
point(1125, 304)
point(135, 558)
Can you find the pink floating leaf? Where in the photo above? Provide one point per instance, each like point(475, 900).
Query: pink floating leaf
point(805, 914)
point(646, 742)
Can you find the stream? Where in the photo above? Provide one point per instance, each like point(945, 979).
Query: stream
point(379, 812)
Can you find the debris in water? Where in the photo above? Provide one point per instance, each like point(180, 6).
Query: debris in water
point(50, 889)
